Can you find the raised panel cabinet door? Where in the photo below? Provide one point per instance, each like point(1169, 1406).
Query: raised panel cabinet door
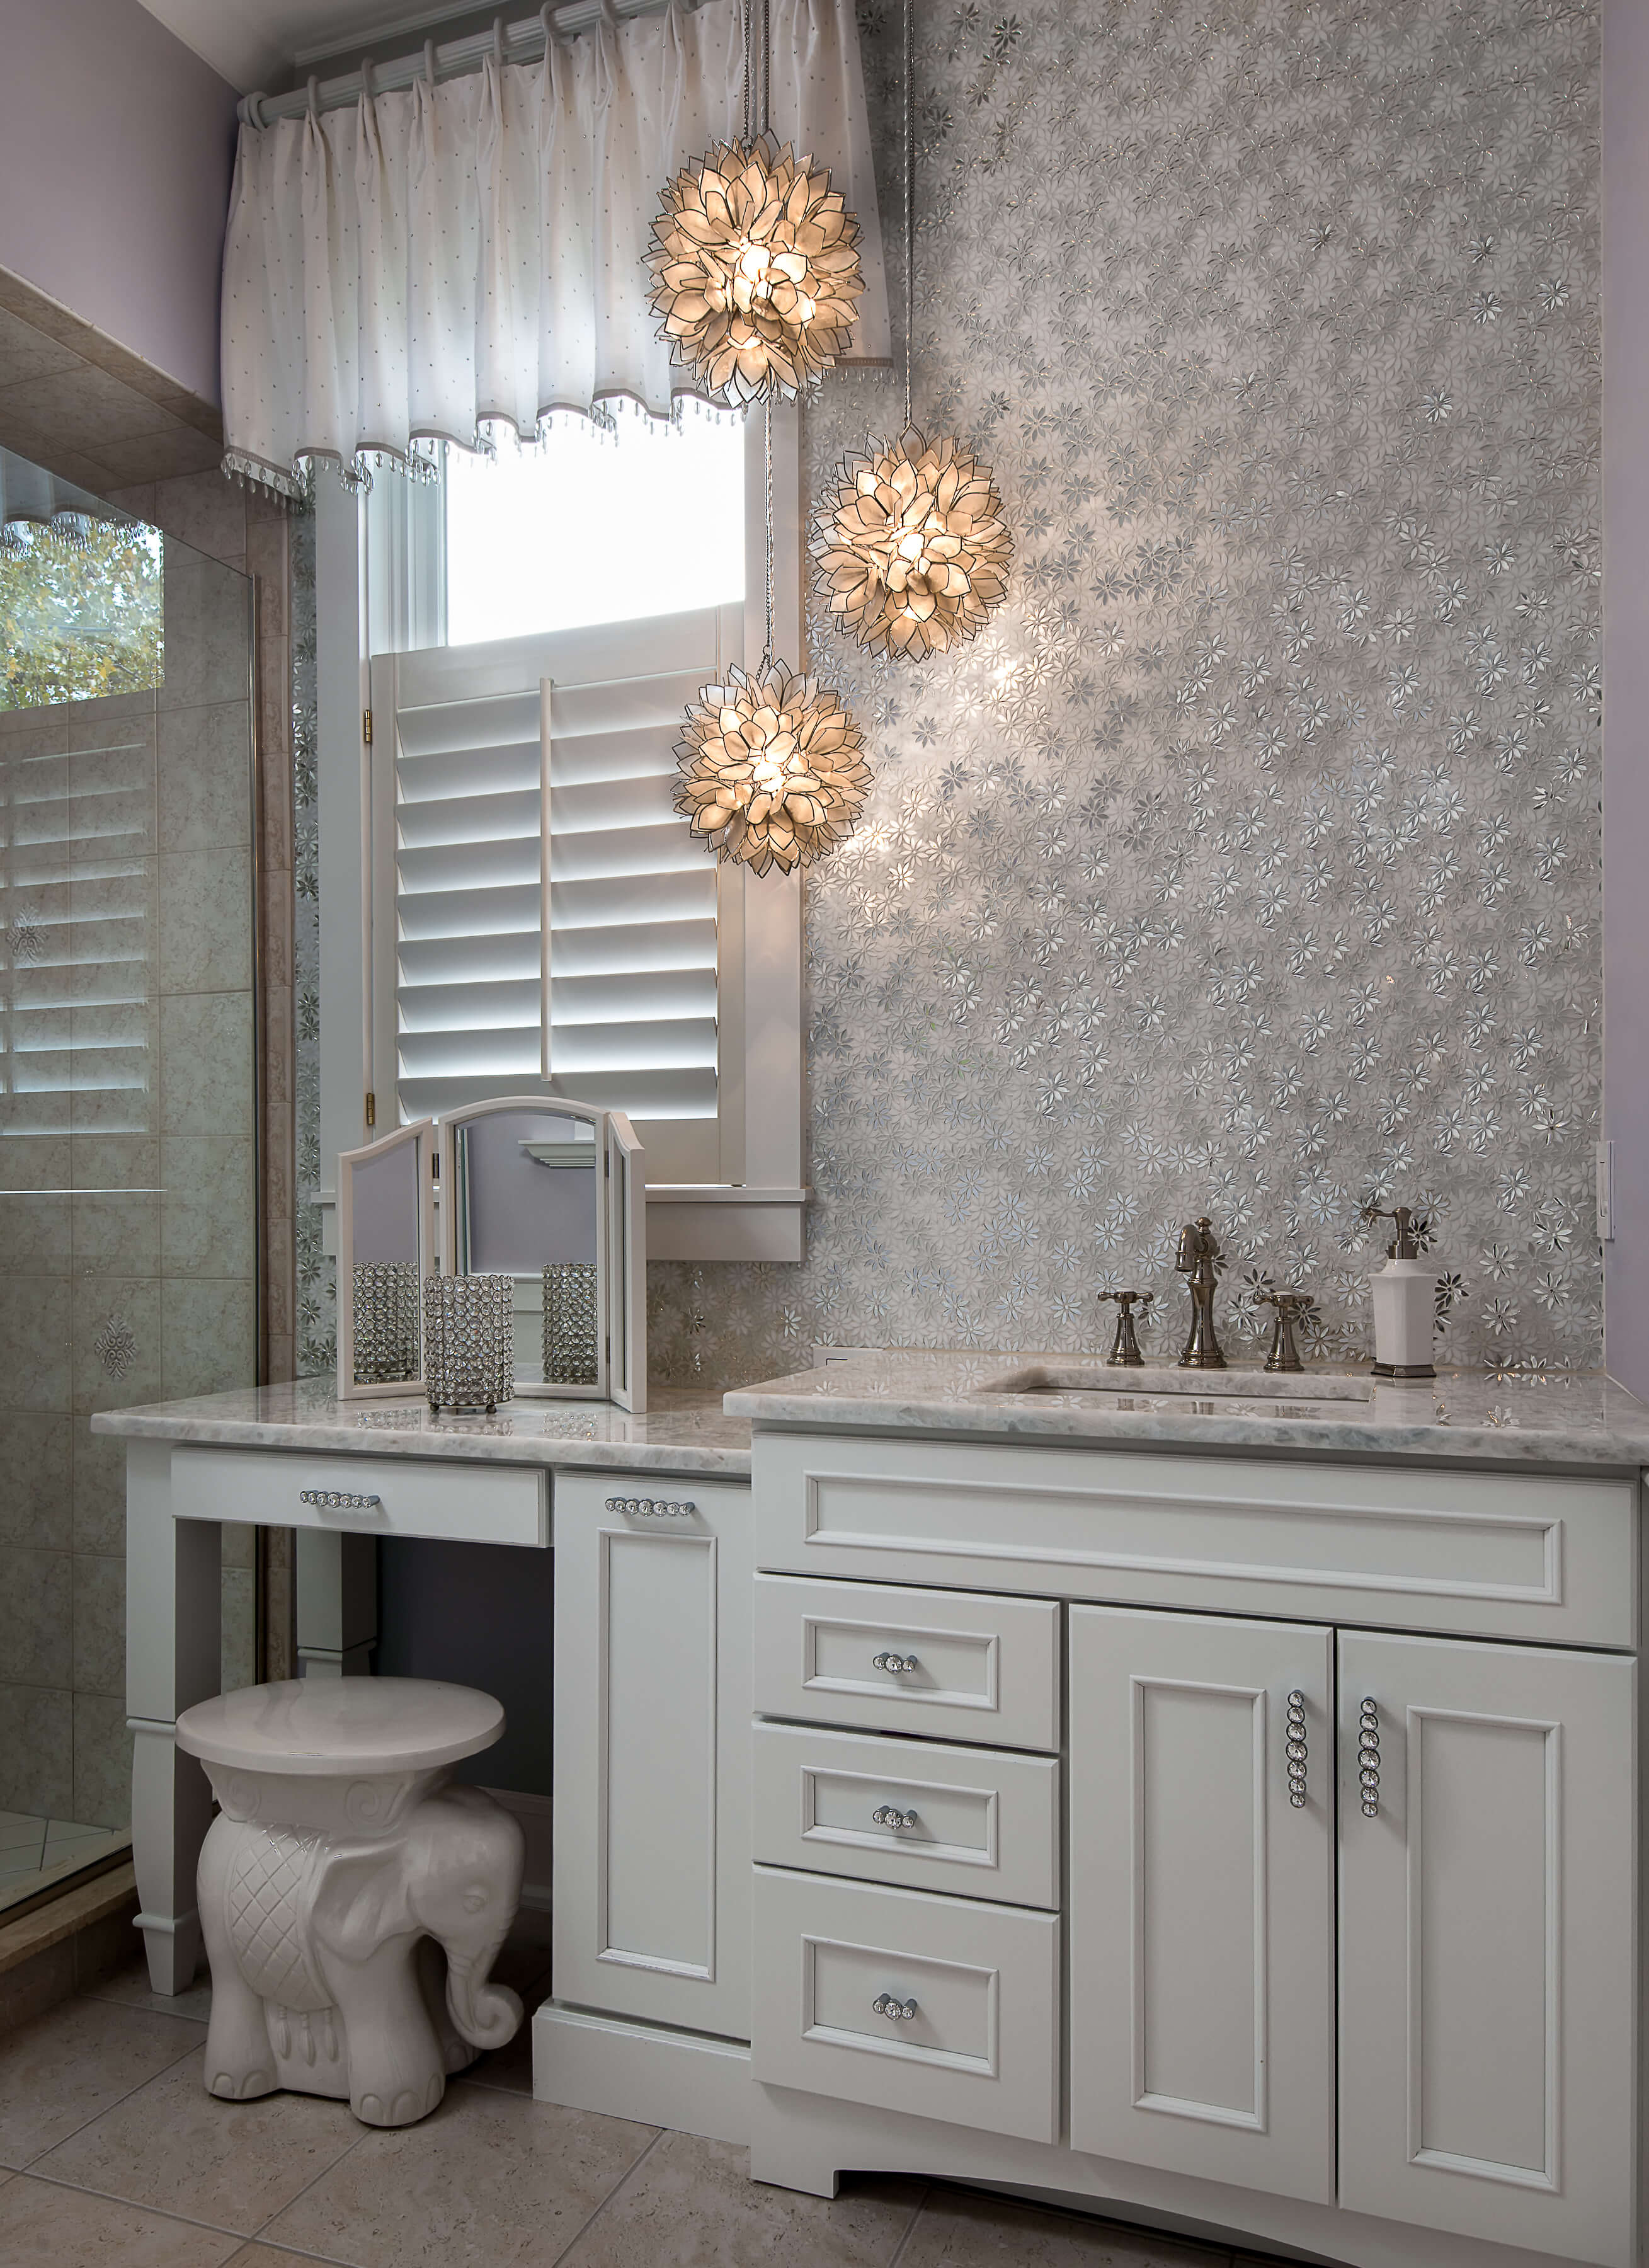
point(652, 1750)
point(1202, 1897)
point(1487, 1994)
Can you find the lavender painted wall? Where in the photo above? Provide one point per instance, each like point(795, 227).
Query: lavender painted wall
point(116, 146)
point(1626, 679)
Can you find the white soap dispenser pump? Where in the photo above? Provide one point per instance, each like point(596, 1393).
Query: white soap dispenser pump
point(1404, 1293)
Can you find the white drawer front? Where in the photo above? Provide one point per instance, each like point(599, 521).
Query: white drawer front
point(1504, 1555)
point(942, 2006)
point(979, 1822)
point(375, 1496)
point(966, 1667)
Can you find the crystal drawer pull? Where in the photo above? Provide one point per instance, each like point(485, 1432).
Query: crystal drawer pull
point(1368, 1757)
point(650, 1507)
point(897, 2012)
point(338, 1500)
point(888, 1815)
point(898, 1665)
point(1295, 1749)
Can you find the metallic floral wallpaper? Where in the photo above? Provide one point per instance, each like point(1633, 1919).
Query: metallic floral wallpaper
point(1249, 863)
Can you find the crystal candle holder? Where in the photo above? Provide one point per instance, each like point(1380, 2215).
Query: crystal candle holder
point(468, 1341)
point(386, 1312)
point(570, 1351)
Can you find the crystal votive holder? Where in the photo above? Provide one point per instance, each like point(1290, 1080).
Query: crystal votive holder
point(570, 1310)
point(468, 1341)
point(386, 1308)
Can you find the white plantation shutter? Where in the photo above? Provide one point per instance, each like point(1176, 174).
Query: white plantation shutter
point(461, 817)
point(75, 1019)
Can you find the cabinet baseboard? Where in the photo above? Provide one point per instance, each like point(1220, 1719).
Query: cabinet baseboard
point(685, 2081)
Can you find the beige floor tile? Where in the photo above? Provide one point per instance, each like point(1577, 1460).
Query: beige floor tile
point(231, 2164)
point(958, 2228)
point(691, 2203)
point(271, 2256)
point(488, 2181)
point(44, 2226)
point(131, 1987)
point(76, 2061)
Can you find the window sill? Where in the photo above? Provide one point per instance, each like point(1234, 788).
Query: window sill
point(690, 1220)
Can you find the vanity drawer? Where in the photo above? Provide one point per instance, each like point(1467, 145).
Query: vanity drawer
point(408, 1496)
point(980, 2046)
point(986, 1824)
point(1500, 1555)
point(954, 1664)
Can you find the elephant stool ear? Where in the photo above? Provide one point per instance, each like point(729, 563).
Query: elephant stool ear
point(360, 1898)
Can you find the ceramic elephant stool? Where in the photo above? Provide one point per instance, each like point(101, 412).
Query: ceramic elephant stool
point(352, 1899)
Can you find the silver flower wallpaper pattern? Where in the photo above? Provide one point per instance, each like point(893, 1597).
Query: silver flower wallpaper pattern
point(1248, 863)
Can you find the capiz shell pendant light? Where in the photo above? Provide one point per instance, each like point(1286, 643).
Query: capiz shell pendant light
point(910, 549)
point(773, 769)
point(754, 260)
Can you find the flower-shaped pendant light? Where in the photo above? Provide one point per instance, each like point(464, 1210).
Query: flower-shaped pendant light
point(909, 546)
point(773, 769)
point(755, 271)
point(754, 260)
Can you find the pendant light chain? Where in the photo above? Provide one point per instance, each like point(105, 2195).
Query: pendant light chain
point(767, 67)
point(911, 226)
point(744, 20)
point(767, 591)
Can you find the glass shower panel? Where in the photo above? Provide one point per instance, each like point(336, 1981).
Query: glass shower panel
point(128, 1123)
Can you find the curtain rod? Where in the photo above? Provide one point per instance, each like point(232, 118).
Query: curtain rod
point(522, 43)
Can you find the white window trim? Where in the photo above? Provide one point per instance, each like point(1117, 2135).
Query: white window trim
point(763, 1064)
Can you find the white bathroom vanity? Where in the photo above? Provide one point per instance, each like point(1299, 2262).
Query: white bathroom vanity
point(1223, 1805)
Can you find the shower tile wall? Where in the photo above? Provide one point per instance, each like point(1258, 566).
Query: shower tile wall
point(127, 1154)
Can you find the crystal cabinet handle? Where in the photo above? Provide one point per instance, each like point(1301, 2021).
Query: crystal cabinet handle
point(888, 1815)
point(650, 1507)
point(897, 1665)
point(897, 2012)
point(1368, 1757)
point(338, 1500)
point(1295, 1749)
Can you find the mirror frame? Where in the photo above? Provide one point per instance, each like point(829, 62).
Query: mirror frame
point(621, 1245)
point(421, 1135)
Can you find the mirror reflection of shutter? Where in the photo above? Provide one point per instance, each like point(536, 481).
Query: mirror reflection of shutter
point(632, 958)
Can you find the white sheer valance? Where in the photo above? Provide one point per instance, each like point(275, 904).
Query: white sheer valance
point(423, 262)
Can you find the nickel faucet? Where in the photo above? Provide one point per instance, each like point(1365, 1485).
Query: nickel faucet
point(1198, 1254)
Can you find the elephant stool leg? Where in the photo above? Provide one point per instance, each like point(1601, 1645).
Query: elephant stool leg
point(240, 2063)
point(395, 2060)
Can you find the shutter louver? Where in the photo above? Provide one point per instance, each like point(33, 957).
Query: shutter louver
point(632, 906)
point(469, 887)
point(77, 1020)
point(632, 898)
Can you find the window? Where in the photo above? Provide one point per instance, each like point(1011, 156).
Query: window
point(535, 916)
point(79, 617)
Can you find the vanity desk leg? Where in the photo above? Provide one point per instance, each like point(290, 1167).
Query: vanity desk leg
point(173, 1640)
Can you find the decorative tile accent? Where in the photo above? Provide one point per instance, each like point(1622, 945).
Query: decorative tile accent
point(116, 1346)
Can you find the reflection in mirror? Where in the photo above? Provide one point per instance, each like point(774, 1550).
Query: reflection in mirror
point(384, 1256)
point(526, 1199)
point(384, 1238)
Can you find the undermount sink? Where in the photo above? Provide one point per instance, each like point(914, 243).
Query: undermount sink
point(1220, 1390)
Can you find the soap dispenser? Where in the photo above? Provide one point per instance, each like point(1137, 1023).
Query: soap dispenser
point(1405, 1301)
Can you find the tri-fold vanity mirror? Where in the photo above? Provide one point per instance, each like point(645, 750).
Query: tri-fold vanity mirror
point(549, 1194)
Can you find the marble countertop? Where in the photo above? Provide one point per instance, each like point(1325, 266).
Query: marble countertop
point(684, 1429)
point(1573, 1418)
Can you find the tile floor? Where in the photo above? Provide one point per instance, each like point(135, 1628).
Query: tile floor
point(34, 1852)
point(111, 2155)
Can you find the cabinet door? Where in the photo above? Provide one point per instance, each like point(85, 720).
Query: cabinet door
point(1201, 1896)
point(1487, 1968)
point(652, 1749)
